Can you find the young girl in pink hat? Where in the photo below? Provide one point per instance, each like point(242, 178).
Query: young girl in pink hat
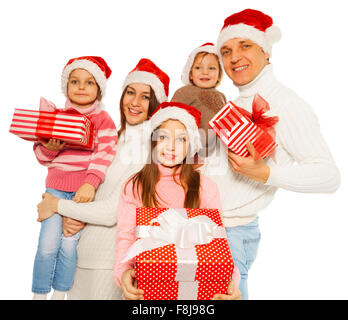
point(73, 174)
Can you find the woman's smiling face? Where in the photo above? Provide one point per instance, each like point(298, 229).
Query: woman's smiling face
point(136, 103)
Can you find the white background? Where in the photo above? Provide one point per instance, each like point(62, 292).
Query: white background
point(303, 251)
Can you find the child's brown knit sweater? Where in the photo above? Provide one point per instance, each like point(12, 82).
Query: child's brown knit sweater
point(207, 101)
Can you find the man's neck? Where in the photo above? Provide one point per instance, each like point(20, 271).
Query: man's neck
point(261, 80)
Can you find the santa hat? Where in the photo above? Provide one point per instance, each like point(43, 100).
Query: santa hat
point(96, 66)
point(189, 116)
point(148, 73)
point(207, 47)
point(250, 24)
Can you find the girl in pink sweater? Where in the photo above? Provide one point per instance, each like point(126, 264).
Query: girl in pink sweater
point(73, 174)
point(168, 180)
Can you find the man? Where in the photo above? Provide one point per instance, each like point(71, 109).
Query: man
point(245, 45)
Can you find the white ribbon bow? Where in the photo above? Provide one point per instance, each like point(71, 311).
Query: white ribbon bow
point(175, 228)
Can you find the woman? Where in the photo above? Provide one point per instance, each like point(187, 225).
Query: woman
point(144, 88)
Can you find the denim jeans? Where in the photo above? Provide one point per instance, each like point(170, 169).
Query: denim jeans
point(56, 257)
point(244, 242)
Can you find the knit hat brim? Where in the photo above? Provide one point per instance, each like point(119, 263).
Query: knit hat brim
point(175, 113)
point(149, 79)
point(87, 65)
point(244, 31)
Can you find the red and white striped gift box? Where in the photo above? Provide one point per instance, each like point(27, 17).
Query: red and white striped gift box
point(72, 127)
point(235, 129)
point(171, 272)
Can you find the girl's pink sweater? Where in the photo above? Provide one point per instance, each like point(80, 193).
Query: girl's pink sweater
point(69, 169)
point(173, 195)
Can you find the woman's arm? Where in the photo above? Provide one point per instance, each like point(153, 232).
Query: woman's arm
point(100, 212)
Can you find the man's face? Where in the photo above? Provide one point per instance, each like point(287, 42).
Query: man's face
point(243, 60)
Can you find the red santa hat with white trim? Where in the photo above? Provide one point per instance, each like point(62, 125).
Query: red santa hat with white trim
point(189, 116)
point(206, 47)
point(250, 24)
point(148, 73)
point(96, 66)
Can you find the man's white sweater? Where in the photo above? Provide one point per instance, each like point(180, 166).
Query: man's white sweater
point(303, 160)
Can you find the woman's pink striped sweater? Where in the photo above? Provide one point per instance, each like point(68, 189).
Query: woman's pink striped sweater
point(69, 169)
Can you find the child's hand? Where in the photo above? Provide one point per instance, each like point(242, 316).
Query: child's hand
point(130, 291)
point(85, 193)
point(52, 144)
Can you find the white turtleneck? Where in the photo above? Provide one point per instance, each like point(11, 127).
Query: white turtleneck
point(96, 248)
point(303, 159)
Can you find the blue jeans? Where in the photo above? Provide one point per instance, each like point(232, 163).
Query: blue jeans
point(56, 257)
point(244, 242)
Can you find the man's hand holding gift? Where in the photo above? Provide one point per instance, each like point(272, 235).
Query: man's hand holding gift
point(251, 167)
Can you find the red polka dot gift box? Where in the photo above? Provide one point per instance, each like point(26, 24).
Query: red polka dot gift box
point(184, 254)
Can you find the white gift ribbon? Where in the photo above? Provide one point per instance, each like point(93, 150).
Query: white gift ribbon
point(175, 228)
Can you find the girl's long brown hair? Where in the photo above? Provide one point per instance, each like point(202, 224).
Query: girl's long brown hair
point(145, 181)
point(153, 104)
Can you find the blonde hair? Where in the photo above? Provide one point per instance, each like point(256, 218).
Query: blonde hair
point(202, 55)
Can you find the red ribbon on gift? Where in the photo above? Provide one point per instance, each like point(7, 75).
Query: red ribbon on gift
point(45, 120)
point(259, 107)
